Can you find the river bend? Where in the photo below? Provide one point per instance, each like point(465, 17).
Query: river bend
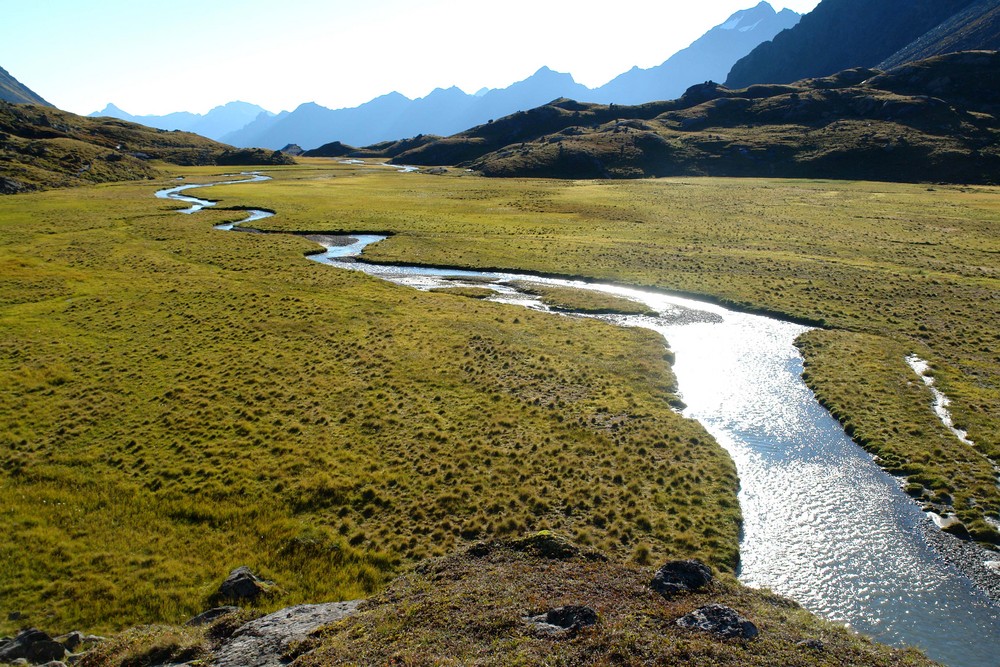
point(823, 524)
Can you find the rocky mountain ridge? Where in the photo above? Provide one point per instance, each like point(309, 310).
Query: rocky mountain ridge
point(843, 34)
point(932, 120)
point(15, 92)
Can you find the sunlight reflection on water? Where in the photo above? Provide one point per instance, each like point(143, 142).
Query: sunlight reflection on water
point(822, 523)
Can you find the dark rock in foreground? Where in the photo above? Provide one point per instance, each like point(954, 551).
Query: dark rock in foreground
point(680, 576)
point(242, 585)
point(34, 646)
point(719, 620)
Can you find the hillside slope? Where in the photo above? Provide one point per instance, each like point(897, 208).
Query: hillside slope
point(975, 27)
point(538, 600)
point(43, 147)
point(214, 124)
point(15, 92)
point(932, 120)
point(841, 34)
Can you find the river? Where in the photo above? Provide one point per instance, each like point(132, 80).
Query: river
point(823, 524)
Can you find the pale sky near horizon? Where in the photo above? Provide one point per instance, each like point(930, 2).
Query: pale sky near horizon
point(154, 57)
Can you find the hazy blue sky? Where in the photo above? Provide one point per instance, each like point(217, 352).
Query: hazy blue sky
point(150, 56)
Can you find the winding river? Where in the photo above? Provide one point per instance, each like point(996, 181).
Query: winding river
point(823, 524)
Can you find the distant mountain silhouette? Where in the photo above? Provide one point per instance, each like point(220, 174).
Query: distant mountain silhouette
point(447, 111)
point(443, 111)
point(930, 120)
point(840, 34)
point(709, 58)
point(214, 124)
point(15, 92)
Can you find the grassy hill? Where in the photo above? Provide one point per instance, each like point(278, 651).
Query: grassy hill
point(43, 147)
point(934, 120)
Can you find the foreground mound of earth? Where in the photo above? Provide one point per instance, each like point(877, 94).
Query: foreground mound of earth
point(536, 600)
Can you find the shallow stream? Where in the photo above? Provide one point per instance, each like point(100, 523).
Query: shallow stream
point(823, 524)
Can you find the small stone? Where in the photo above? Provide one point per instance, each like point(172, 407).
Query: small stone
point(814, 644)
point(14, 616)
point(681, 576)
point(71, 640)
point(571, 616)
point(563, 621)
point(210, 615)
point(721, 621)
point(242, 585)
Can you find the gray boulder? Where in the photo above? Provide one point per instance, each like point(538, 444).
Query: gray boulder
point(71, 640)
point(681, 576)
point(721, 621)
point(563, 621)
point(242, 585)
point(263, 642)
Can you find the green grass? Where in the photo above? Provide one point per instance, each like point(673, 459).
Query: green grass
point(582, 301)
point(914, 265)
point(468, 292)
point(177, 401)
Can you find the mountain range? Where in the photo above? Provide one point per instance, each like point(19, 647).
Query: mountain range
point(219, 121)
point(930, 120)
point(446, 111)
point(841, 34)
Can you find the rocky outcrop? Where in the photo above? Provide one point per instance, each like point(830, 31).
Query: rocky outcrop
point(681, 576)
point(269, 641)
point(242, 586)
point(32, 645)
point(563, 621)
point(720, 620)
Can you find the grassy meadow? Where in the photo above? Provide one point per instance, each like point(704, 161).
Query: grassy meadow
point(177, 401)
point(913, 267)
